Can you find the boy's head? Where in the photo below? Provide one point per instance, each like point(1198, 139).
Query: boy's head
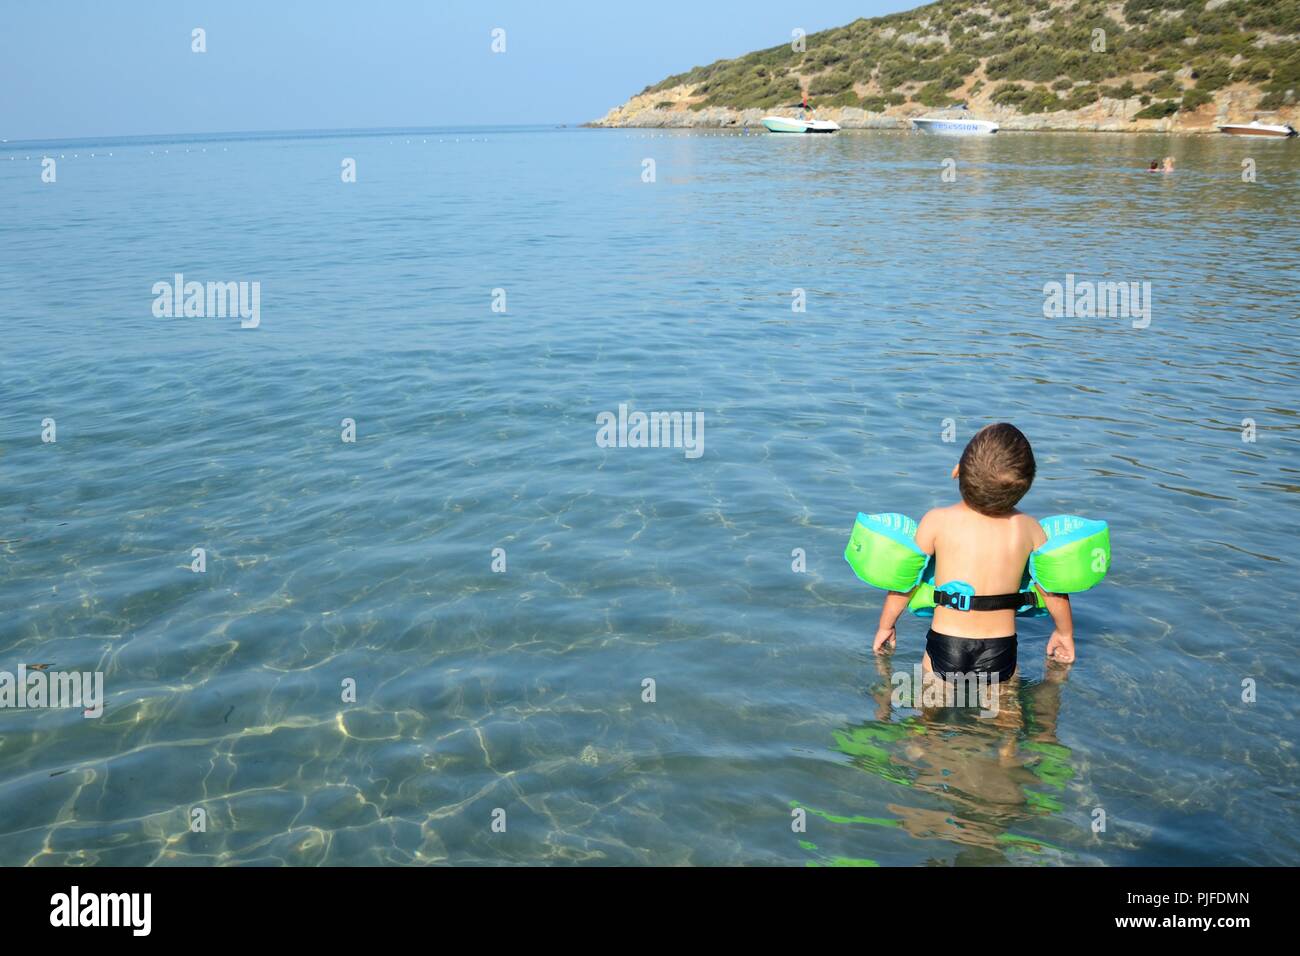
point(996, 469)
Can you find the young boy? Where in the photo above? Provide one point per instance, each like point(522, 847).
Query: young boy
point(985, 542)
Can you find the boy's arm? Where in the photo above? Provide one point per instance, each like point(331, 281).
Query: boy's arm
point(1060, 646)
point(896, 601)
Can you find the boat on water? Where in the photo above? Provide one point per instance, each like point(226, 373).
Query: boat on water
point(1256, 128)
point(954, 122)
point(784, 124)
point(954, 127)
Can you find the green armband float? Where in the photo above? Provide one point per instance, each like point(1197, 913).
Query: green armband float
point(883, 552)
point(1075, 556)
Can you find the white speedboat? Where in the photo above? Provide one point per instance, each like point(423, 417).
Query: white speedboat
point(783, 124)
point(1256, 128)
point(954, 126)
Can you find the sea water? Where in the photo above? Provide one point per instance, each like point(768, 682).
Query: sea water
point(365, 586)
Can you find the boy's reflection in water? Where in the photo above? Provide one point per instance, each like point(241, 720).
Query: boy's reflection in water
point(988, 771)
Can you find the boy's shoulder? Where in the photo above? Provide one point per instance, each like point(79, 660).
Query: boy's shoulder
point(936, 516)
point(935, 520)
point(943, 510)
point(1031, 526)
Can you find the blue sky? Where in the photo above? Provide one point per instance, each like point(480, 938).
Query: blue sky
point(73, 68)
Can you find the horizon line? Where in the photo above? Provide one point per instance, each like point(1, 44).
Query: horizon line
point(284, 133)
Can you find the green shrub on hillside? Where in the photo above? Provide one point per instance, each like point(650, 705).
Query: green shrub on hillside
point(1255, 71)
point(1212, 76)
point(843, 98)
point(1276, 16)
point(1286, 78)
point(878, 104)
point(1042, 42)
point(1081, 98)
point(1025, 100)
point(1158, 110)
point(828, 84)
point(1164, 64)
point(932, 94)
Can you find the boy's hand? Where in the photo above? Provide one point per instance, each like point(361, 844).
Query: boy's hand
point(895, 603)
point(884, 636)
point(1060, 647)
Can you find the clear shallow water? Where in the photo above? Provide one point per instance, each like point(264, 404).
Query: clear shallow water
point(476, 430)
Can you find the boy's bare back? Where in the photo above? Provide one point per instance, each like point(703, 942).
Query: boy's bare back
point(986, 552)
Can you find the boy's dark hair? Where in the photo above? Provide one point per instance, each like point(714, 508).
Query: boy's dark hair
point(996, 469)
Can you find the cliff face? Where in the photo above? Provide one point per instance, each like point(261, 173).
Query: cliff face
point(1140, 65)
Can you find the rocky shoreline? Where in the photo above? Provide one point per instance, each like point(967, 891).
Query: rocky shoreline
point(648, 111)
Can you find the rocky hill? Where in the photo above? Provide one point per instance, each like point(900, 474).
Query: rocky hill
point(1171, 65)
